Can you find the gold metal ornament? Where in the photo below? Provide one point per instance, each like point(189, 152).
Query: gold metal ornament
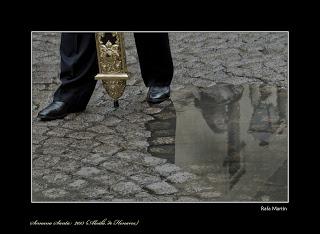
point(112, 63)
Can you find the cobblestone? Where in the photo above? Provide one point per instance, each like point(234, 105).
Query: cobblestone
point(107, 148)
point(95, 159)
point(40, 172)
point(68, 166)
point(163, 141)
point(37, 139)
point(58, 178)
point(162, 188)
point(55, 193)
point(187, 199)
point(196, 187)
point(77, 184)
point(166, 169)
point(111, 121)
point(181, 177)
point(153, 161)
point(75, 126)
point(86, 117)
point(130, 155)
point(82, 135)
point(126, 188)
point(58, 141)
point(45, 161)
point(109, 179)
point(145, 179)
point(39, 130)
point(84, 144)
point(38, 187)
point(58, 132)
point(88, 171)
point(102, 129)
point(145, 197)
point(95, 193)
point(210, 194)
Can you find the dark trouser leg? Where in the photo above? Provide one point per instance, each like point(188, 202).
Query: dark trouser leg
point(155, 58)
point(78, 67)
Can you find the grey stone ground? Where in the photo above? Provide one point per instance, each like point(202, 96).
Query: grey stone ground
point(101, 154)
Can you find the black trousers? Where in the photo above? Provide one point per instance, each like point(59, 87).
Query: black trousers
point(79, 64)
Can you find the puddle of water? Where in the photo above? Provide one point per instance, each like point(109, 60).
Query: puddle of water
point(233, 137)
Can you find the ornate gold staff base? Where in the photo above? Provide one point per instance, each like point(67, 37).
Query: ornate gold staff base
point(114, 84)
point(112, 64)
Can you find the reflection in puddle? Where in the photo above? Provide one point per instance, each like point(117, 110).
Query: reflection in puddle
point(233, 137)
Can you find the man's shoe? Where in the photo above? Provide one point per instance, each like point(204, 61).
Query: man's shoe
point(157, 94)
point(57, 110)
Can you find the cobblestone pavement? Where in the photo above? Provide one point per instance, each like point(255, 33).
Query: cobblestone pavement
point(102, 154)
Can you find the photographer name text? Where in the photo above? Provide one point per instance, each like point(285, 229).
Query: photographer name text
point(274, 208)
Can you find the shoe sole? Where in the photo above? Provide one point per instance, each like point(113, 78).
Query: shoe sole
point(48, 118)
point(43, 118)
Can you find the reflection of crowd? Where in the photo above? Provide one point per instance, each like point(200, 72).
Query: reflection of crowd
point(269, 112)
point(221, 110)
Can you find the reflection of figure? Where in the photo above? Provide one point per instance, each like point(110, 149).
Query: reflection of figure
point(266, 115)
point(214, 103)
point(282, 105)
point(221, 110)
point(233, 158)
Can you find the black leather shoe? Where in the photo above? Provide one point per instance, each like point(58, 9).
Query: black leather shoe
point(157, 94)
point(57, 110)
